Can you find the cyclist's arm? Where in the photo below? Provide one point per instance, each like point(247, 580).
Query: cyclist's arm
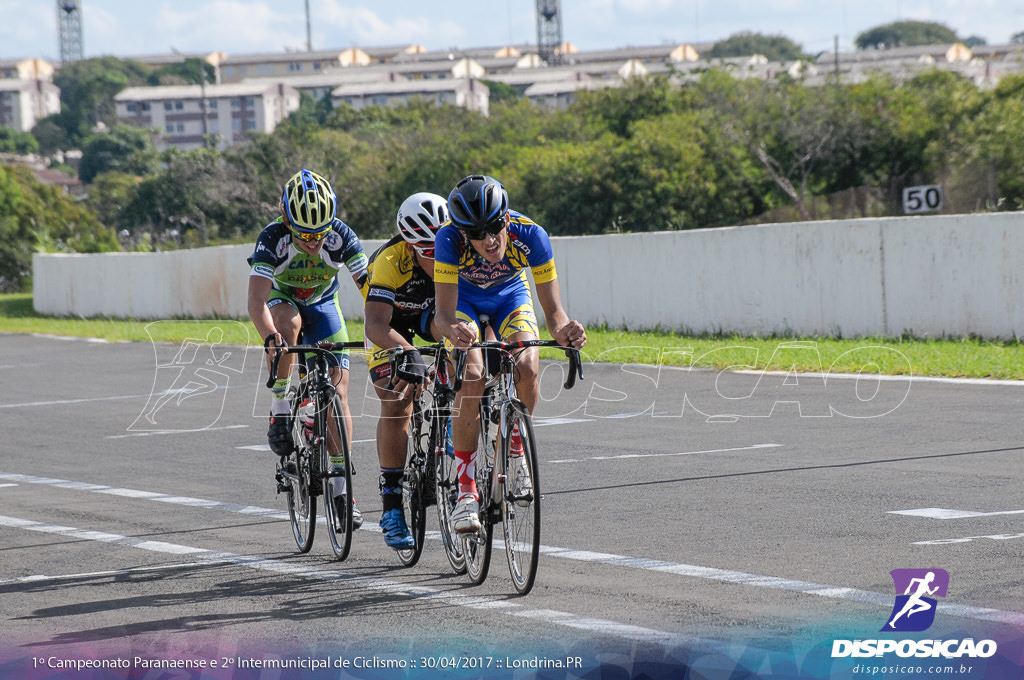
point(446, 298)
point(260, 288)
point(564, 330)
point(378, 326)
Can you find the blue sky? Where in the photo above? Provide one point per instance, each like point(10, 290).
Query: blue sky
point(28, 28)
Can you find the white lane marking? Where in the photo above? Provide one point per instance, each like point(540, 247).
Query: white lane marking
point(943, 513)
point(45, 578)
point(968, 539)
point(709, 573)
point(544, 422)
point(202, 555)
point(151, 433)
point(59, 402)
point(2, 486)
point(889, 378)
point(808, 588)
point(664, 455)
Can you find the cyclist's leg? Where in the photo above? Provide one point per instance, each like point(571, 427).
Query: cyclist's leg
point(392, 443)
point(516, 320)
point(466, 427)
point(287, 321)
point(324, 322)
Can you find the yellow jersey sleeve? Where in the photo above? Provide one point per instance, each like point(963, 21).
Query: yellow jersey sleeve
point(445, 273)
point(545, 272)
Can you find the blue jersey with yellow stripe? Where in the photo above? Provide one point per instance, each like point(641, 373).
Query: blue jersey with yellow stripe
point(455, 259)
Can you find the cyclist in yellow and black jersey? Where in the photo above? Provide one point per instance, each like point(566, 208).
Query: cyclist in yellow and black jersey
point(399, 294)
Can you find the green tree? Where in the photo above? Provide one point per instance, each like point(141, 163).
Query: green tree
point(982, 147)
point(36, 217)
point(50, 136)
point(189, 71)
point(905, 34)
point(12, 141)
point(746, 44)
point(501, 92)
point(87, 90)
point(122, 148)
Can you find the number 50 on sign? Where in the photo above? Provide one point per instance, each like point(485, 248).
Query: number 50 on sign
point(921, 199)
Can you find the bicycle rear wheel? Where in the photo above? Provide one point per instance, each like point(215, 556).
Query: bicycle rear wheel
point(295, 475)
point(412, 493)
point(337, 476)
point(520, 504)
point(446, 487)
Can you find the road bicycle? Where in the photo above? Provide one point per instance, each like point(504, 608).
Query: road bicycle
point(430, 477)
point(508, 481)
point(320, 463)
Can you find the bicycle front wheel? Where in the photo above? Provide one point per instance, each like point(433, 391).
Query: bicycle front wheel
point(295, 475)
point(478, 546)
point(520, 505)
point(446, 487)
point(413, 501)
point(336, 462)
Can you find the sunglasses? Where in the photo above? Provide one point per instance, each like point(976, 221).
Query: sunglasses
point(425, 252)
point(302, 236)
point(493, 228)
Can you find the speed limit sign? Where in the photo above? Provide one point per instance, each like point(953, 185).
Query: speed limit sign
point(927, 198)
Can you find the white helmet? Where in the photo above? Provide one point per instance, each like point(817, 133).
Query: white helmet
point(420, 216)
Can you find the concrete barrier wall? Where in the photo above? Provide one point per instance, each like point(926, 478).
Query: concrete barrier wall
point(930, 276)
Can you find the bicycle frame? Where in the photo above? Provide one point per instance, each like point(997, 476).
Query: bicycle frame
point(428, 468)
point(314, 469)
point(511, 498)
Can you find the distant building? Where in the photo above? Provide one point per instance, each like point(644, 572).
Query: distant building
point(228, 114)
point(26, 69)
point(466, 93)
point(23, 103)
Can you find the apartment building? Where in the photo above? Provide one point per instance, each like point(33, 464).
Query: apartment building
point(23, 103)
point(190, 116)
point(26, 69)
point(467, 93)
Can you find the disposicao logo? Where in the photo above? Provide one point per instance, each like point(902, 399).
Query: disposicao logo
point(916, 589)
point(914, 611)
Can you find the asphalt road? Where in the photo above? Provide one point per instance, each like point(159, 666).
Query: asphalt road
point(711, 520)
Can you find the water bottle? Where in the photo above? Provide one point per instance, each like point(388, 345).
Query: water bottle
point(307, 415)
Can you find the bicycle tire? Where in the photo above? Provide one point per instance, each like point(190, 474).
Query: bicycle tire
point(297, 474)
point(520, 508)
point(446, 488)
point(412, 494)
point(478, 546)
point(337, 482)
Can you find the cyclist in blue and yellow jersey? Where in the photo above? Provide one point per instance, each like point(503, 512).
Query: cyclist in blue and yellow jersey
point(399, 292)
point(482, 256)
point(293, 290)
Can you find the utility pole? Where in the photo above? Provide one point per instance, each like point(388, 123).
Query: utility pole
point(309, 32)
point(69, 19)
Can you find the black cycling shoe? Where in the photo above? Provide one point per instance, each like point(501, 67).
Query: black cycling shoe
point(279, 436)
point(357, 516)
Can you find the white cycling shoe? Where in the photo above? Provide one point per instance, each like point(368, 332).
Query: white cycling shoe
point(466, 515)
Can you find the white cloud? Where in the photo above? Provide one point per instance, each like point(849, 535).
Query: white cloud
point(230, 26)
point(28, 29)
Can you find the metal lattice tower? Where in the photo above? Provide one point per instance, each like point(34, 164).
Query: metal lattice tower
point(549, 31)
point(69, 18)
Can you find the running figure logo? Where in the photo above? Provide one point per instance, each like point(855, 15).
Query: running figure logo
point(914, 609)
